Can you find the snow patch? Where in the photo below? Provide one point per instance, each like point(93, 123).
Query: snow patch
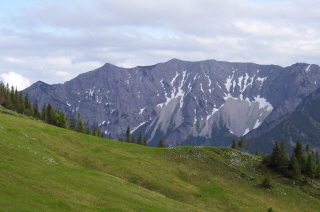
point(141, 110)
point(228, 83)
point(308, 68)
point(138, 126)
point(257, 124)
point(245, 132)
point(263, 103)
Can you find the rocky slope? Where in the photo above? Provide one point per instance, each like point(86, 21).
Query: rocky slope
point(197, 103)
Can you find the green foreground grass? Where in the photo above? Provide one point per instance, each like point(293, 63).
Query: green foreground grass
point(45, 168)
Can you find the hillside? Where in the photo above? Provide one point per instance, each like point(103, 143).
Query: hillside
point(45, 168)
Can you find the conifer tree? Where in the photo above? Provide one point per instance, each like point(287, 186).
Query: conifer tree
point(109, 136)
point(161, 143)
point(294, 166)
point(2, 93)
point(140, 139)
point(121, 139)
point(283, 158)
point(50, 119)
point(275, 156)
point(242, 143)
point(73, 123)
point(27, 106)
point(96, 130)
point(310, 166)
point(80, 126)
point(128, 134)
point(132, 139)
point(87, 128)
point(234, 144)
point(44, 113)
point(298, 152)
point(145, 141)
point(36, 112)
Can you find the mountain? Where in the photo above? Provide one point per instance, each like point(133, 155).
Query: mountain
point(187, 103)
point(46, 168)
point(302, 124)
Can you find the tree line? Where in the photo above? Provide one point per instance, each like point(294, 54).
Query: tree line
point(303, 161)
point(13, 99)
point(142, 140)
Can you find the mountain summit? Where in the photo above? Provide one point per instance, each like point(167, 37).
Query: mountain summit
point(187, 103)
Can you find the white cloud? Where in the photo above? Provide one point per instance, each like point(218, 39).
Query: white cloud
point(54, 41)
point(16, 80)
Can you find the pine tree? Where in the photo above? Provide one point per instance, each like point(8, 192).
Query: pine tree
point(242, 143)
point(96, 130)
point(234, 144)
point(128, 134)
point(36, 112)
point(298, 153)
point(294, 166)
point(140, 139)
point(145, 143)
point(310, 166)
point(73, 123)
point(121, 139)
point(80, 126)
point(109, 136)
point(87, 128)
point(275, 156)
point(317, 157)
point(44, 113)
point(50, 114)
point(283, 159)
point(307, 149)
point(27, 106)
point(2, 93)
point(132, 139)
point(161, 143)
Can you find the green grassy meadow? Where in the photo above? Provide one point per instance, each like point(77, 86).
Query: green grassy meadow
point(46, 168)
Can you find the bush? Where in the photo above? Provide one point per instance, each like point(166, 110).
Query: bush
point(266, 183)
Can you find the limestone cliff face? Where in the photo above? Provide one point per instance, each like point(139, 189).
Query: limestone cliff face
point(181, 100)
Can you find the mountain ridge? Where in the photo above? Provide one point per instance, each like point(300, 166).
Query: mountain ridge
point(181, 100)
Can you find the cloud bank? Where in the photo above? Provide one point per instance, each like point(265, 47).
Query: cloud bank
point(54, 41)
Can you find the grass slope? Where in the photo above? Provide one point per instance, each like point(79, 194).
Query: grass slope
point(45, 168)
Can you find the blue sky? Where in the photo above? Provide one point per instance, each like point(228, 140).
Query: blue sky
point(54, 41)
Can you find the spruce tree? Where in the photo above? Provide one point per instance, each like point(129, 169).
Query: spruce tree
point(27, 106)
point(298, 153)
point(50, 114)
point(132, 139)
point(73, 123)
point(242, 143)
point(283, 159)
point(310, 166)
point(121, 139)
point(44, 113)
point(140, 139)
point(275, 156)
point(234, 144)
point(145, 141)
point(36, 112)
point(161, 143)
point(294, 166)
point(128, 135)
point(87, 129)
point(80, 126)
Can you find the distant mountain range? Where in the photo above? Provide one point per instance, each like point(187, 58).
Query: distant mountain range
point(195, 103)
